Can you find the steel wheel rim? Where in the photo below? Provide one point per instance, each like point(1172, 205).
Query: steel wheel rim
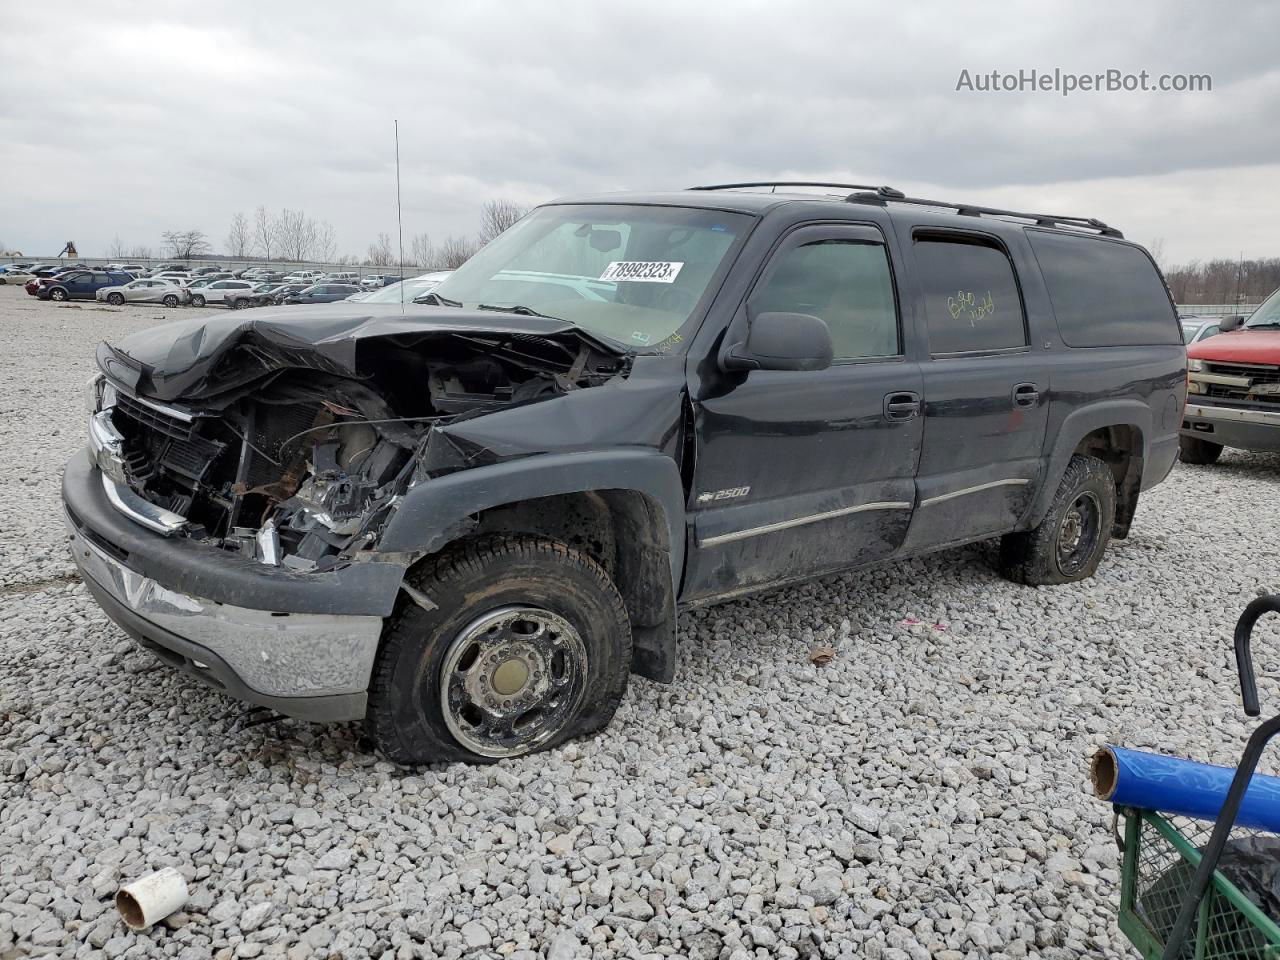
point(512, 680)
point(1078, 533)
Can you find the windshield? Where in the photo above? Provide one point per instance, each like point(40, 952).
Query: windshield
point(634, 274)
point(1268, 314)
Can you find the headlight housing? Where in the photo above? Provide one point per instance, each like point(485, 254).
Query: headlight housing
point(98, 394)
point(1195, 366)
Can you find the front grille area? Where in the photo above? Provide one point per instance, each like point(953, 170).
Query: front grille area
point(155, 419)
point(1259, 374)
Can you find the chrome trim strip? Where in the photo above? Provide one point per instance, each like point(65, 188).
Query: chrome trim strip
point(1233, 413)
point(965, 491)
point(1220, 378)
point(162, 408)
point(801, 521)
point(141, 511)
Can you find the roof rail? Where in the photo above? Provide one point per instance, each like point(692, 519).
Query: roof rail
point(791, 183)
point(884, 194)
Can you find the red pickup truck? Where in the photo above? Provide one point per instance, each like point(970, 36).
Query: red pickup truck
point(1233, 387)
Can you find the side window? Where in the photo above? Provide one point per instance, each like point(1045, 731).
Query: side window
point(971, 297)
point(1104, 293)
point(845, 282)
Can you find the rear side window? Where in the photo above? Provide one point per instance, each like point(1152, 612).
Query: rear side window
point(971, 296)
point(1104, 294)
point(847, 284)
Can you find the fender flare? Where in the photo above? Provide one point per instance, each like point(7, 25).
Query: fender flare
point(435, 511)
point(1075, 427)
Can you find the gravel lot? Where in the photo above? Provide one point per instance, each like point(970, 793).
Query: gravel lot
point(921, 796)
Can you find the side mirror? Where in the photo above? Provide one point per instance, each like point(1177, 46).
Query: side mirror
point(782, 341)
point(1227, 324)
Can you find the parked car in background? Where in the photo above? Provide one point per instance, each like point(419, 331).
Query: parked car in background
point(260, 294)
point(207, 270)
point(81, 284)
point(1233, 387)
point(216, 291)
point(1195, 329)
point(144, 290)
point(177, 276)
point(15, 276)
point(407, 291)
point(322, 293)
point(287, 289)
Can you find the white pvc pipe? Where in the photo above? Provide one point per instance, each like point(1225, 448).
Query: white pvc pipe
point(150, 899)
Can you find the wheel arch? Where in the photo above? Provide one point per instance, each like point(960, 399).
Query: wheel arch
point(1117, 432)
point(623, 507)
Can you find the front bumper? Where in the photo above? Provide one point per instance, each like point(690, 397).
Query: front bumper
point(300, 644)
point(1239, 427)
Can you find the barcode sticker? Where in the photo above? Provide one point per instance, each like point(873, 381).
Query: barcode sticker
point(643, 271)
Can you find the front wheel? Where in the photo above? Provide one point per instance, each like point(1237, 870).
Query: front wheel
point(526, 645)
point(1195, 450)
point(58, 294)
point(1069, 542)
point(115, 299)
point(197, 300)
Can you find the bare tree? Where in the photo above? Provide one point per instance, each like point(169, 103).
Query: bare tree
point(264, 233)
point(239, 241)
point(380, 252)
point(142, 252)
point(116, 250)
point(421, 250)
point(185, 244)
point(326, 243)
point(296, 234)
point(456, 251)
point(497, 216)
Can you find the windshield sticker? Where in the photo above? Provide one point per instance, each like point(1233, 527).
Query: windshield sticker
point(640, 337)
point(643, 271)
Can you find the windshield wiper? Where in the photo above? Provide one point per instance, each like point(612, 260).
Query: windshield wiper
point(520, 309)
point(434, 299)
point(1259, 326)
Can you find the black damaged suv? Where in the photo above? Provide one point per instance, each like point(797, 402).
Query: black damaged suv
point(467, 519)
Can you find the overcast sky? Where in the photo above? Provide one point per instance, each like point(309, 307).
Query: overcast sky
point(128, 120)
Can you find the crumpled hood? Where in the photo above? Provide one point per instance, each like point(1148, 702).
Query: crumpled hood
point(207, 355)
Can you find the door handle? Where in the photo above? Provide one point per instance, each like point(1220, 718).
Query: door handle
point(1025, 395)
point(901, 406)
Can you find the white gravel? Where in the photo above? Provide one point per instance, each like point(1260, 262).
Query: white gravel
point(921, 796)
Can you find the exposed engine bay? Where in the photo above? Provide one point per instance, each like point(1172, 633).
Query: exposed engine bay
point(288, 458)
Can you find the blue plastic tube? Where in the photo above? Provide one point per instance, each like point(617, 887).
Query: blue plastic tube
point(1152, 781)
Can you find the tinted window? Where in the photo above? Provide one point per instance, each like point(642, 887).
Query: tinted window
point(847, 284)
point(970, 296)
point(1104, 294)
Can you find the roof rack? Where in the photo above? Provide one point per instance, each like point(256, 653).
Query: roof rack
point(881, 195)
point(792, 183)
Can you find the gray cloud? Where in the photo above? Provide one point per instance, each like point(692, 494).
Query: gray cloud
point(139, 121)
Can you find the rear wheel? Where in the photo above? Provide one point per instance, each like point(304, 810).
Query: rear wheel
point(1069, 542)
point(57, 293)
point(527, 645)
point(197, 300)
point(239, 303)
point(1195, 450)
point(170, 300)
point(115, 299)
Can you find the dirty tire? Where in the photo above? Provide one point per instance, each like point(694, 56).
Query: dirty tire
point(170, 300)
point(197, 300)
point(58, 294)
point(115, 299)
point(1195, 450)
point(406, 716)
point(1035, 557)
